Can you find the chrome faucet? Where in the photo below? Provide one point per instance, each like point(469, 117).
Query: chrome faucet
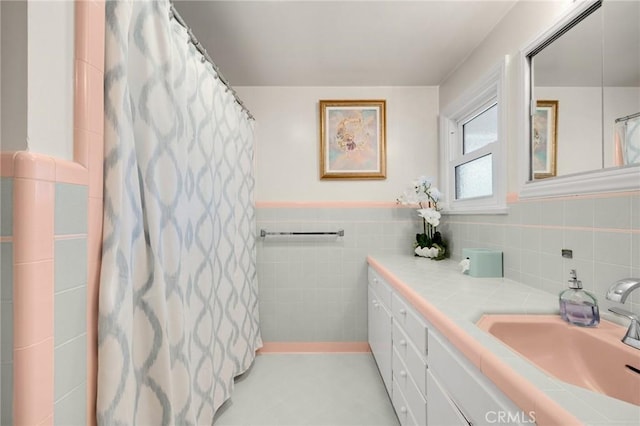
point(618, 292)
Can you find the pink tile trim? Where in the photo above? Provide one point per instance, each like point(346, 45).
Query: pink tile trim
point(33, 383)
point(90, 32)
point(96, 160)
point(33, 233)
point(326, 204)
point(94, 241)
point(34, 166)
point(89, 123)
point(69, 237)
point(314, 347)
point(33, 303)
point(522, 392)
point(47, 422)
point(581, 196)
point(71, 172)
point(6, 163)
point(81, 146)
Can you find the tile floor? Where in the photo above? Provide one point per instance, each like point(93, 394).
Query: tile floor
point(309, 389)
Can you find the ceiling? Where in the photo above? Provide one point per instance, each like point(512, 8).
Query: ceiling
point(340, 43)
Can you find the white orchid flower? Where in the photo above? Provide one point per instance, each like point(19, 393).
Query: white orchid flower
point(423, 181)
point(434, 193)
point(432, 216)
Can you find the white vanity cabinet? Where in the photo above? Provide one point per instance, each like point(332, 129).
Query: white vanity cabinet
point(429, 381)
point(379, 325)
point(459, 394)
point(409, 364)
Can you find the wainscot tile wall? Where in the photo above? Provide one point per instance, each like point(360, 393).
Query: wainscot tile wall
point(43, 290)
point(602, 231)
point(313, 289)
point(70, 301)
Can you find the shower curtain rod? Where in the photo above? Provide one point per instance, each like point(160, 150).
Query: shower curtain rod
point(173, 13)
point(628, 117)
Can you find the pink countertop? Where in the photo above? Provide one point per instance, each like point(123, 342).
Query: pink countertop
point(453, 303)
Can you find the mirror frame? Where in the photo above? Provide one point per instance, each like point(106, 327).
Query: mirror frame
point(613, 179)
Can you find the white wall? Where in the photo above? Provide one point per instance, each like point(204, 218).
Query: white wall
point(38, 77)
point(13, 81)
point(51, 78)
point(287, 140)
point(579, 127)
point(524, 22)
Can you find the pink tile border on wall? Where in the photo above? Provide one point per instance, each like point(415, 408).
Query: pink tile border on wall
point(35, 176)
point(314, 347)
point(89, 151)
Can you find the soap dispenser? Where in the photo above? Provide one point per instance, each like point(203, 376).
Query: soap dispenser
point(578, 306)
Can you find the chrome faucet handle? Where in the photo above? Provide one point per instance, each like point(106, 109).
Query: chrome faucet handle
point(619, 291)
point(632, 337)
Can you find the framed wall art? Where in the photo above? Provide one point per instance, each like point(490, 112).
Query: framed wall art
point(352, 139)
point(545, 139)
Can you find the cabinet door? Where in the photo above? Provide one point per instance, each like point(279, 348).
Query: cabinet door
point(441, 410)
point(380, 336)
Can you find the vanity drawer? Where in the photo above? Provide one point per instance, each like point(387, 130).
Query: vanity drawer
point(414, 362)
point(402, 407)
point(467, 387)
point(381, 288)
point(442, 411)
point(414, 398)
point(413, 325)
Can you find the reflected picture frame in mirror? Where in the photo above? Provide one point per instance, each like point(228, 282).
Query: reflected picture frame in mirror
point(583, 164)
point(544, 149)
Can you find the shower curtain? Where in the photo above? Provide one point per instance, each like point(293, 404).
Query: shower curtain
point(627, 141)
point(178, 307)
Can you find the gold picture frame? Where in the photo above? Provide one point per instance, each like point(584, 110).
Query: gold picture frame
point(544, 136)
point(353, 139)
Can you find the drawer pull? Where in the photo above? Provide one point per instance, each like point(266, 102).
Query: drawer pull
point(403, 312)
point(403, 373)
point(403, 410)
point(403, 342)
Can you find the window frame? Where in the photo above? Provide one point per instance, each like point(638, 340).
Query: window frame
point(480, 97)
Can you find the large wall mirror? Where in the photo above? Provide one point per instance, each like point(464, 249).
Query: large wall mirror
point(584, 93)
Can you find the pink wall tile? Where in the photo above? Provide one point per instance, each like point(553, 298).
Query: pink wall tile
point(47, 422)
point(314, 347)
point(95, 230)
point(6, 164)
point(89, 97)
point(81, 146)
point(33, 231)
point(34, 166)
point(71, 172)
point(33, 303)
point(81, 101)
point(33, 383)
point(96, 99)
point(96, 160)
point(90, 32)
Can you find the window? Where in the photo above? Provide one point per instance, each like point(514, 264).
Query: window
point(472, 161)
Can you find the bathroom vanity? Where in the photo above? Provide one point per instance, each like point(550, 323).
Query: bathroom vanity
point(440, 368)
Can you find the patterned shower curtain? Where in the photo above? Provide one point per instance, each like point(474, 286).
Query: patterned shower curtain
point(178, 306)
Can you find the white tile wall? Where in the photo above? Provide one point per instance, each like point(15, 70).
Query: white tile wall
point(313, 288)
point(602, 231)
